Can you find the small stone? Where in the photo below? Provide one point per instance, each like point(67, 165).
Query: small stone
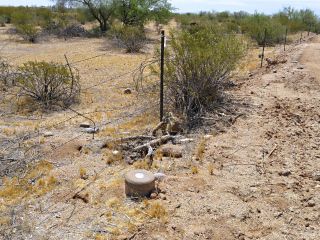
point(294, 61)
point(85, 125)
point(123, 237)
point(115, 152)
point(48, 134)
point(316, 177)
point(284, 173)
point(232, 83)
point(163, 197)
point(171, 150)
point(153, 195)
point(311, 203)
point(127, 91)
point(207, 136)
point(176, 127)
point(260, 55)
point(186, 140)
point(251, 74)
point(300, 67)
point(271, 61)
point(92, 130)
point(275, 71)
point(159, 176)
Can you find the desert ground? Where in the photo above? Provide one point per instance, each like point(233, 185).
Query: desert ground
point(249, 171)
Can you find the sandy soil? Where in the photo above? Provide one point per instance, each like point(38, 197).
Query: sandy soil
point(265, 181)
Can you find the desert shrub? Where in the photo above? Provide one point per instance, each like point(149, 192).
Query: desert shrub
point(26, 25)
point(197, 67)
point(71, 30)
point(2, 21)
point(231, 26)
point(48, 82)
point(130, 38)
point(4, 72)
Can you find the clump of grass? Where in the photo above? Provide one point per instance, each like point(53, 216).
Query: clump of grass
point(211, 168)
point(194, 169)
point(200, 150)
point(83, 173)
point(113, 157)
point(99, 237)
point(52, 180)
point(142, 164)
point(157, 210)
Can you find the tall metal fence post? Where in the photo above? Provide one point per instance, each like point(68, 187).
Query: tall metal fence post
point(161, 74)
point(264, 44)
point(285, 39)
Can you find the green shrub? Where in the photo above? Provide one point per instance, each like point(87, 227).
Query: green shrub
point(4, 72)
point(130, 38)
point(198, 67)
point(48, 82)
point(2, 21)
point(26, 24)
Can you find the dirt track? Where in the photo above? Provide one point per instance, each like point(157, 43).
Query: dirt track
point(266, 178)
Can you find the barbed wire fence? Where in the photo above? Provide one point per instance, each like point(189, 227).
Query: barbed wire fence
point(11, 161)
point(14, 159)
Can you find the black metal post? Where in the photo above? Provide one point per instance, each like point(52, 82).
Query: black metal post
point(161, 75)
point(285, 39)
point(264, 44)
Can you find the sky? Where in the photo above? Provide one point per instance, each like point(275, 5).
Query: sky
point(261, 6)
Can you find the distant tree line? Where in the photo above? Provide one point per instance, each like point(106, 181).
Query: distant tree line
point(287, 20)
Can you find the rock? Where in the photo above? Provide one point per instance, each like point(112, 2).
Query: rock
point(275, 71)
point(311, 203)
point(186, 140)
point(294, 61)
point(207, 136)
point(171, 150)
point(316, 177)
point(115, 153)
point(92, 130)
point(153, 195)
point(48, 134)
point(232, 83)
point(159, 176)
point(284, 173)
point(85, 125)
point(251, 74)
point(123, 237)
point(127, 91)
point(176, 127)
point(260, 55)
point(271, 61)
point(300, 67)
point(162, 196)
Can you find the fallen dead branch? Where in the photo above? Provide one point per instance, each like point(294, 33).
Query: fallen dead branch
point(126, 139)
point(275, 147)
point(155, 142)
